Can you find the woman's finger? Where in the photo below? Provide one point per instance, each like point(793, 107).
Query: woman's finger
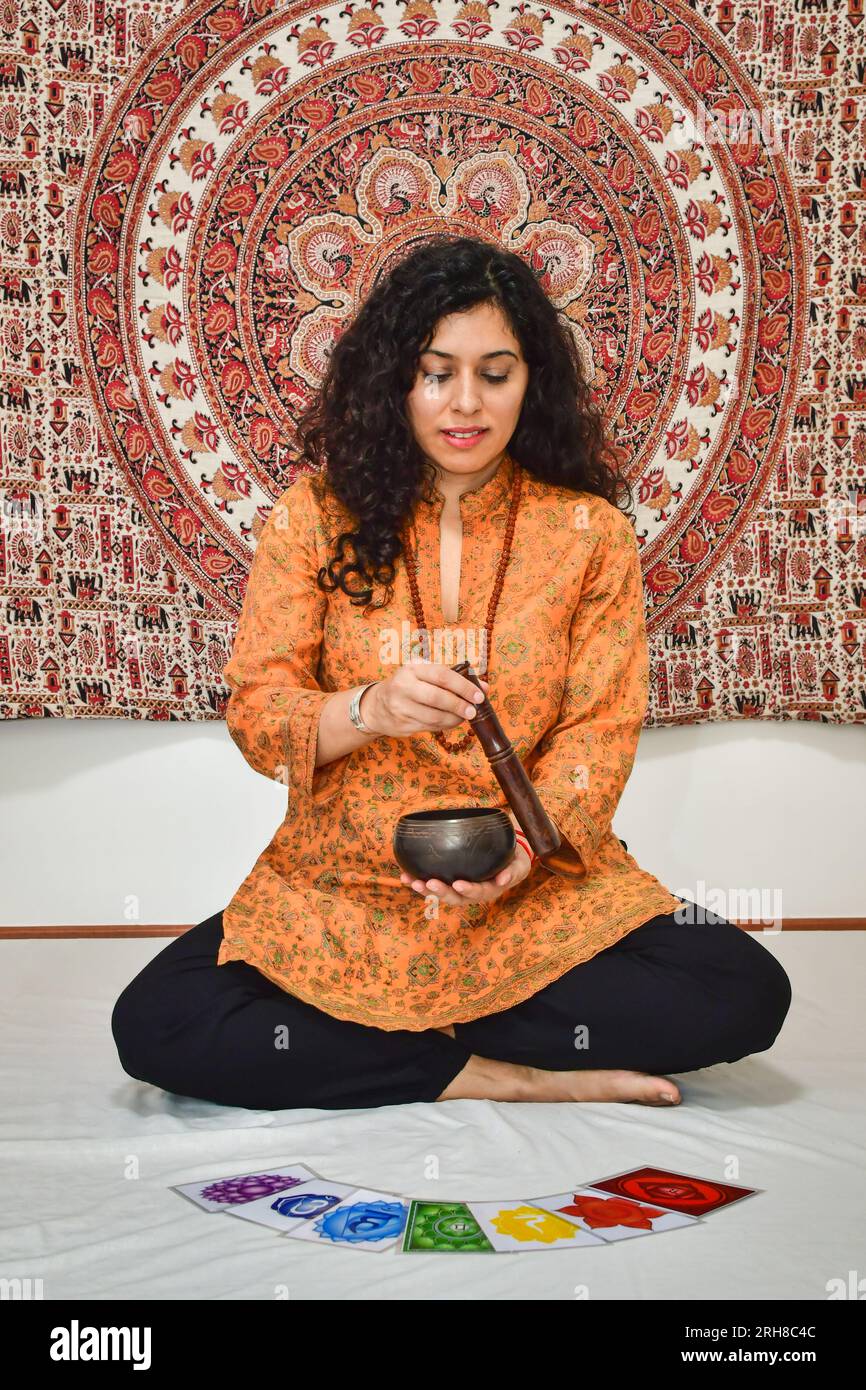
point(463, 890)
point(424, 716)
point(486, 890)
point(445, 681)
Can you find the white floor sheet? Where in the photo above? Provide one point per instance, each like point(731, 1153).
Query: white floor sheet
point(87, 1156)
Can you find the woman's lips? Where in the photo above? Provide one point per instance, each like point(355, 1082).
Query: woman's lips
point(463, 443)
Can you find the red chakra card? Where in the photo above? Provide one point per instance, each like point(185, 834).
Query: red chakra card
point(673, 1191)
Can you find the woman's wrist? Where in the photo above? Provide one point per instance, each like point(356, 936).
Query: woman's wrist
point(336, 734)
point(524, 844)
point(362, 696)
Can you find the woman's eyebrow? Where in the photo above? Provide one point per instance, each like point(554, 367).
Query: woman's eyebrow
point(500, 352)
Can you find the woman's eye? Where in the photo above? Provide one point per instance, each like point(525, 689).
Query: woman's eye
point(443, 376)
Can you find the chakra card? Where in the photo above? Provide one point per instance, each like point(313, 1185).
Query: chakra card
point(674, 1191)
point(612, 1218)
point(443, 1226)
point(218, 1194)
point(513, 1226)
point(366, 1220)
point(283, 1211)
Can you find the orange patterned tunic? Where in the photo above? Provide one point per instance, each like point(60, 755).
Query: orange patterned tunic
point(323, 912)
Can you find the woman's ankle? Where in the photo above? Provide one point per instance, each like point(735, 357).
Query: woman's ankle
point(483, 1078)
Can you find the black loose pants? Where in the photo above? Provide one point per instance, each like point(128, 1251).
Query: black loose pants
point(670, 996)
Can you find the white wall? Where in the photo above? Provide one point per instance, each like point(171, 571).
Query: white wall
point(109, 820)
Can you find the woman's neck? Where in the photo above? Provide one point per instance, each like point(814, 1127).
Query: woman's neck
point(451, 486)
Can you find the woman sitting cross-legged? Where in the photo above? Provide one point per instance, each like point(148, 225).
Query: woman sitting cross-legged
point(453, 458)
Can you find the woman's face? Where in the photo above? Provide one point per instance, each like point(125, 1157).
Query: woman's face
point(472, 377)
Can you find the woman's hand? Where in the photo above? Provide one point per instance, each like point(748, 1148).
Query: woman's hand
point(420, 697)
point(487, 891)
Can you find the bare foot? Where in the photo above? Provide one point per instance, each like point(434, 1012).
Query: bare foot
point(483, 1078)
point(636, 1086)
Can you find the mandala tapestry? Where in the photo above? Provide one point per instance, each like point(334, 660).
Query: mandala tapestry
point(194, 199)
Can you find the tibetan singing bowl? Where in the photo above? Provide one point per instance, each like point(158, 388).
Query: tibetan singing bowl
point(471, 843)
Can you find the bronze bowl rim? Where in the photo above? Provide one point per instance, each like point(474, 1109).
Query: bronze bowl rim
point(467, 812)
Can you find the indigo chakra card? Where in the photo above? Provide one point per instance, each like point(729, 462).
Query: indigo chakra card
point(288, 1209)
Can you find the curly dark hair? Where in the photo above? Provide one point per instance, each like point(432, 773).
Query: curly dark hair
point(356, 433)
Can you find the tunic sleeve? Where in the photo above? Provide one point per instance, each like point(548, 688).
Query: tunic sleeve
point(586, 758)
point(276, 700)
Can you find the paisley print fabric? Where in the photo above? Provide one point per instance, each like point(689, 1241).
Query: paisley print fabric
point(195, 199)
point(322, 911)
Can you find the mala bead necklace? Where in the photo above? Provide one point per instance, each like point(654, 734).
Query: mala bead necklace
point(439, 734)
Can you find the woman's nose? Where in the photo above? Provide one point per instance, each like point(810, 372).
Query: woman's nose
point(466, 395)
